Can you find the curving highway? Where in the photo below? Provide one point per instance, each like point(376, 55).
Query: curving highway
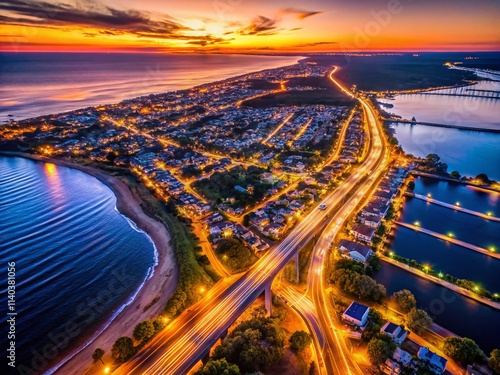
point(336, 352)
point(189, 337)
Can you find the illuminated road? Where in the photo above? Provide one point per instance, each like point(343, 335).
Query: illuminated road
point(188, 338)
point(336, 353)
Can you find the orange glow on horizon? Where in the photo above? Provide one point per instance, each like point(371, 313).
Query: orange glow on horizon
point(256, 27)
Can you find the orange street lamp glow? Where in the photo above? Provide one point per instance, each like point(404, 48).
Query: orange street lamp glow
point(106, 370)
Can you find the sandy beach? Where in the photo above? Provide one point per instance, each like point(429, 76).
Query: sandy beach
point(160, 286)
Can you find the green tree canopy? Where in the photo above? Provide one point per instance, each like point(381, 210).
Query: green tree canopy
point(144, 331)
point(235, 254)
point(418, 320)
point(300, 340)
point(97, 355)
point(495, 361)
point(463, 350)
point(254, 345)
point(218, 367)
point(123, 349)
point(379, 350)
point(405, 300)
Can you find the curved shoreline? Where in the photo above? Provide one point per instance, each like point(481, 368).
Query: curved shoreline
point(159, 283)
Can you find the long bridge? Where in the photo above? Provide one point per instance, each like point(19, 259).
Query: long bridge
point(465, 92)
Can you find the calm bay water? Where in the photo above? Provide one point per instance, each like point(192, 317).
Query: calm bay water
point(35, 84)
point(469, 152)
point(447, 307)
point(78, 260)
point(459, 314)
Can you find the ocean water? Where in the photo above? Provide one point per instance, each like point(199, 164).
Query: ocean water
point(35, 84)
point(77, 259)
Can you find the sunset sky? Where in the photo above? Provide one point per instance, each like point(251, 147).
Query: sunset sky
point(250, 26)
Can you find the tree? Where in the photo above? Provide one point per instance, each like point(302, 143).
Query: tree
point(455, 175)
point(218, 367)
point(418, 320)
point(405, 300)
point(176, 303)
point(97, 355)
point(144, 331)
point(253, 345)
point(123, 349)
point(483, 178)
point(246, 220)
point(158, 324)
point(300, 340)
point(463, 350)
point(495, 361)
point(378, 351)
point(312, 368)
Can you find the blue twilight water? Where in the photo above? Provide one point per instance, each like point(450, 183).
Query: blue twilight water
point(446, 307)
point(468, 196)
point(461, 315)
point(469, 152)
point(35, 84)
point(464, 227)
point(78, 260)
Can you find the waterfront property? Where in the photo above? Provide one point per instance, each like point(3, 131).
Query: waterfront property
point(395, 332)
point(355, 251)
point(436, 363)
point(356, 314)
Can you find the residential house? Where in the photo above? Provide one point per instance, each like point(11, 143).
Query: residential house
point(402, 357)
point(356, 314)
point(355, 250)
point(391, 368)
point(363, 232)
point(395, 332)
point(436, 363)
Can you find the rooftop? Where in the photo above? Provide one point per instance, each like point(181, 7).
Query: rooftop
point(356, 310)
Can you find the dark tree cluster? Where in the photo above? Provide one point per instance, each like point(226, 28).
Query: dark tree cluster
point(253, 346)
point(351, 277)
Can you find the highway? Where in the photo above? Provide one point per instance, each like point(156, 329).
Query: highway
point(336, 353)
point(189, 337)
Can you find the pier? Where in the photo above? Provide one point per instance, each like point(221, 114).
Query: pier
point(455, 207)
point(450, 126)
point(450, 239)
point(446, 284)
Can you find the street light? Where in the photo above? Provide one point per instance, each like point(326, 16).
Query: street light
point(440, 275)
point(450, 235)
point(492, 249)
point(429, 195)
point(417, 223)
point(457, 204)
point(106, 370)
